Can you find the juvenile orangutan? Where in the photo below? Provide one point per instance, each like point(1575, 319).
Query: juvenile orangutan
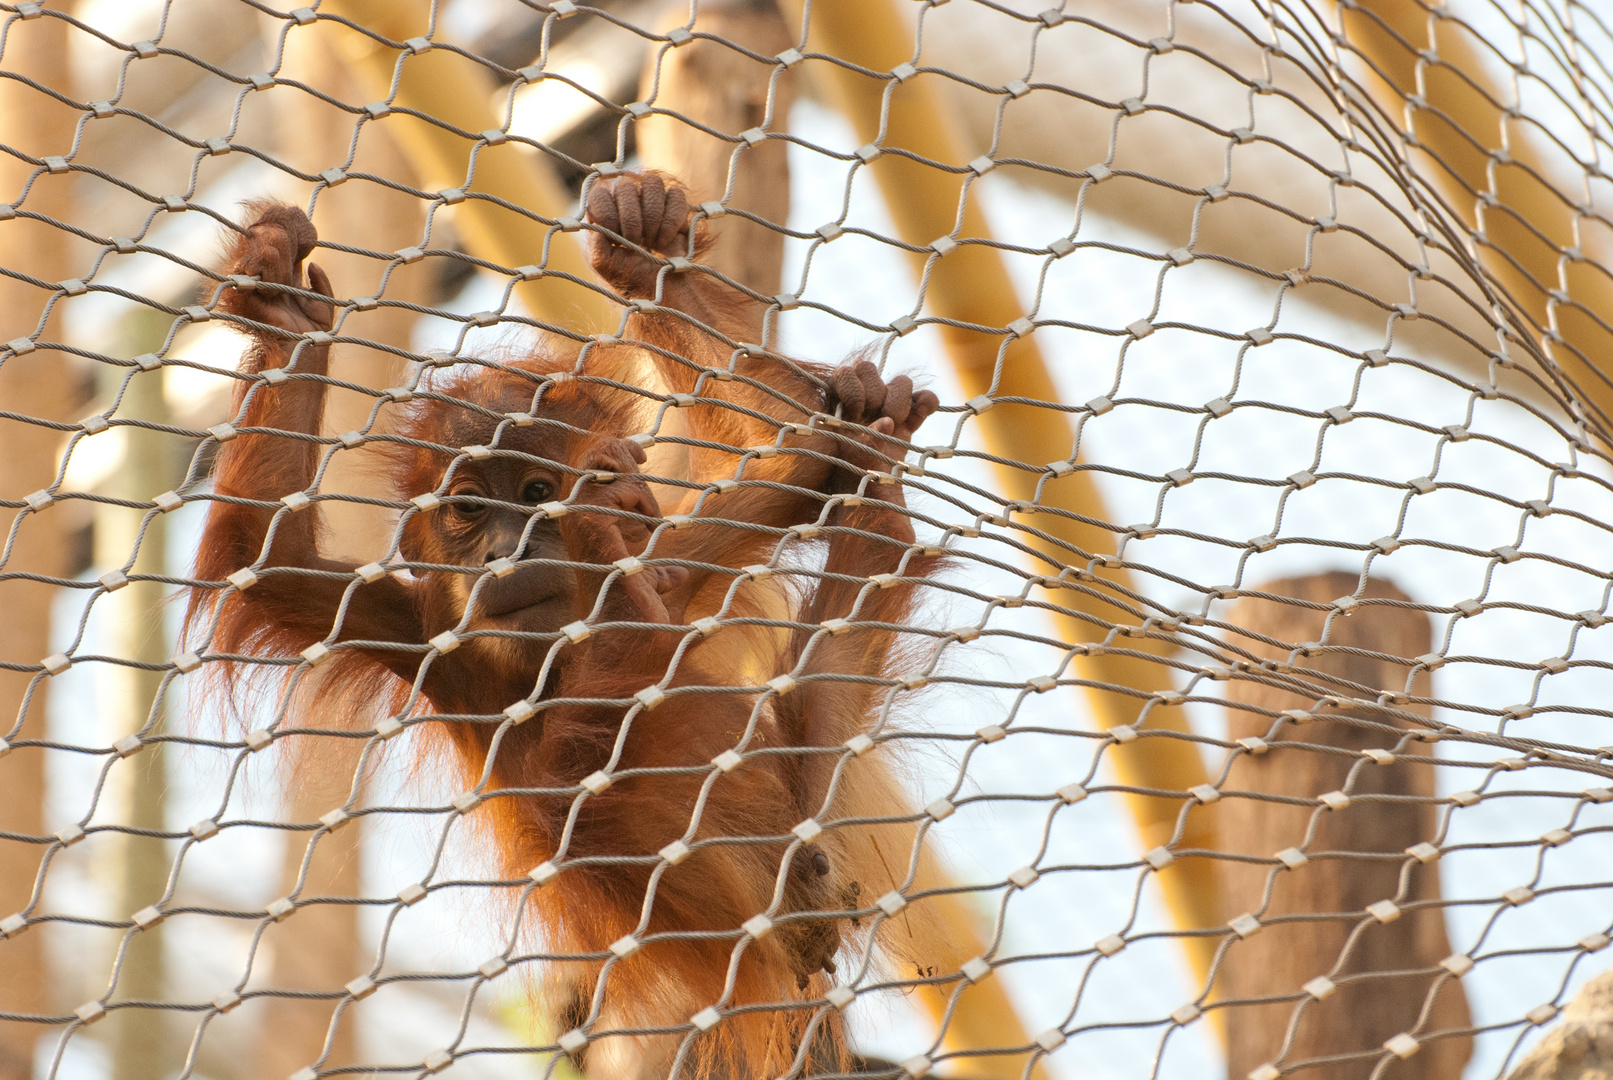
point(581, 652)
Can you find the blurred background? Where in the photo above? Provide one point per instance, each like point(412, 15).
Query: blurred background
point(1236, 271)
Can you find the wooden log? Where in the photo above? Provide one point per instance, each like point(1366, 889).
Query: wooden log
point(709, 84)
point(1315, 916)
point(31, 385)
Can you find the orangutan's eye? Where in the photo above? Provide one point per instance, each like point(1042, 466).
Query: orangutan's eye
point(537, 491)
point(467, 511)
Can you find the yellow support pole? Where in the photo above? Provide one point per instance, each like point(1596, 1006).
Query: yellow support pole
point(453, 90)
point(1537, 220)
point(971, 285)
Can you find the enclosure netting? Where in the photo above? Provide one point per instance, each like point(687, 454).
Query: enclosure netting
point(1263, 705)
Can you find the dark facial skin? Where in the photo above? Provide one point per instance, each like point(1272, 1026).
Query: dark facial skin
point(489, 513)
point(488, 517)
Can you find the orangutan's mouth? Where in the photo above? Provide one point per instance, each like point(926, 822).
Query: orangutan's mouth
point(526, 588)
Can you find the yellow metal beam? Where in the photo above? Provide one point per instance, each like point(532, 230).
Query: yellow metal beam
point(455, 91)
point(1460, 127)
point(971, 285)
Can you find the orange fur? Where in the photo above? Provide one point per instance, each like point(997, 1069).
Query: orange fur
point(744, 860)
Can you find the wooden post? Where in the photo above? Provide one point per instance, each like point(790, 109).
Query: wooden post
point(1316, 916)
point(720, 88)
point(142, 1042)
point(34, 385)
